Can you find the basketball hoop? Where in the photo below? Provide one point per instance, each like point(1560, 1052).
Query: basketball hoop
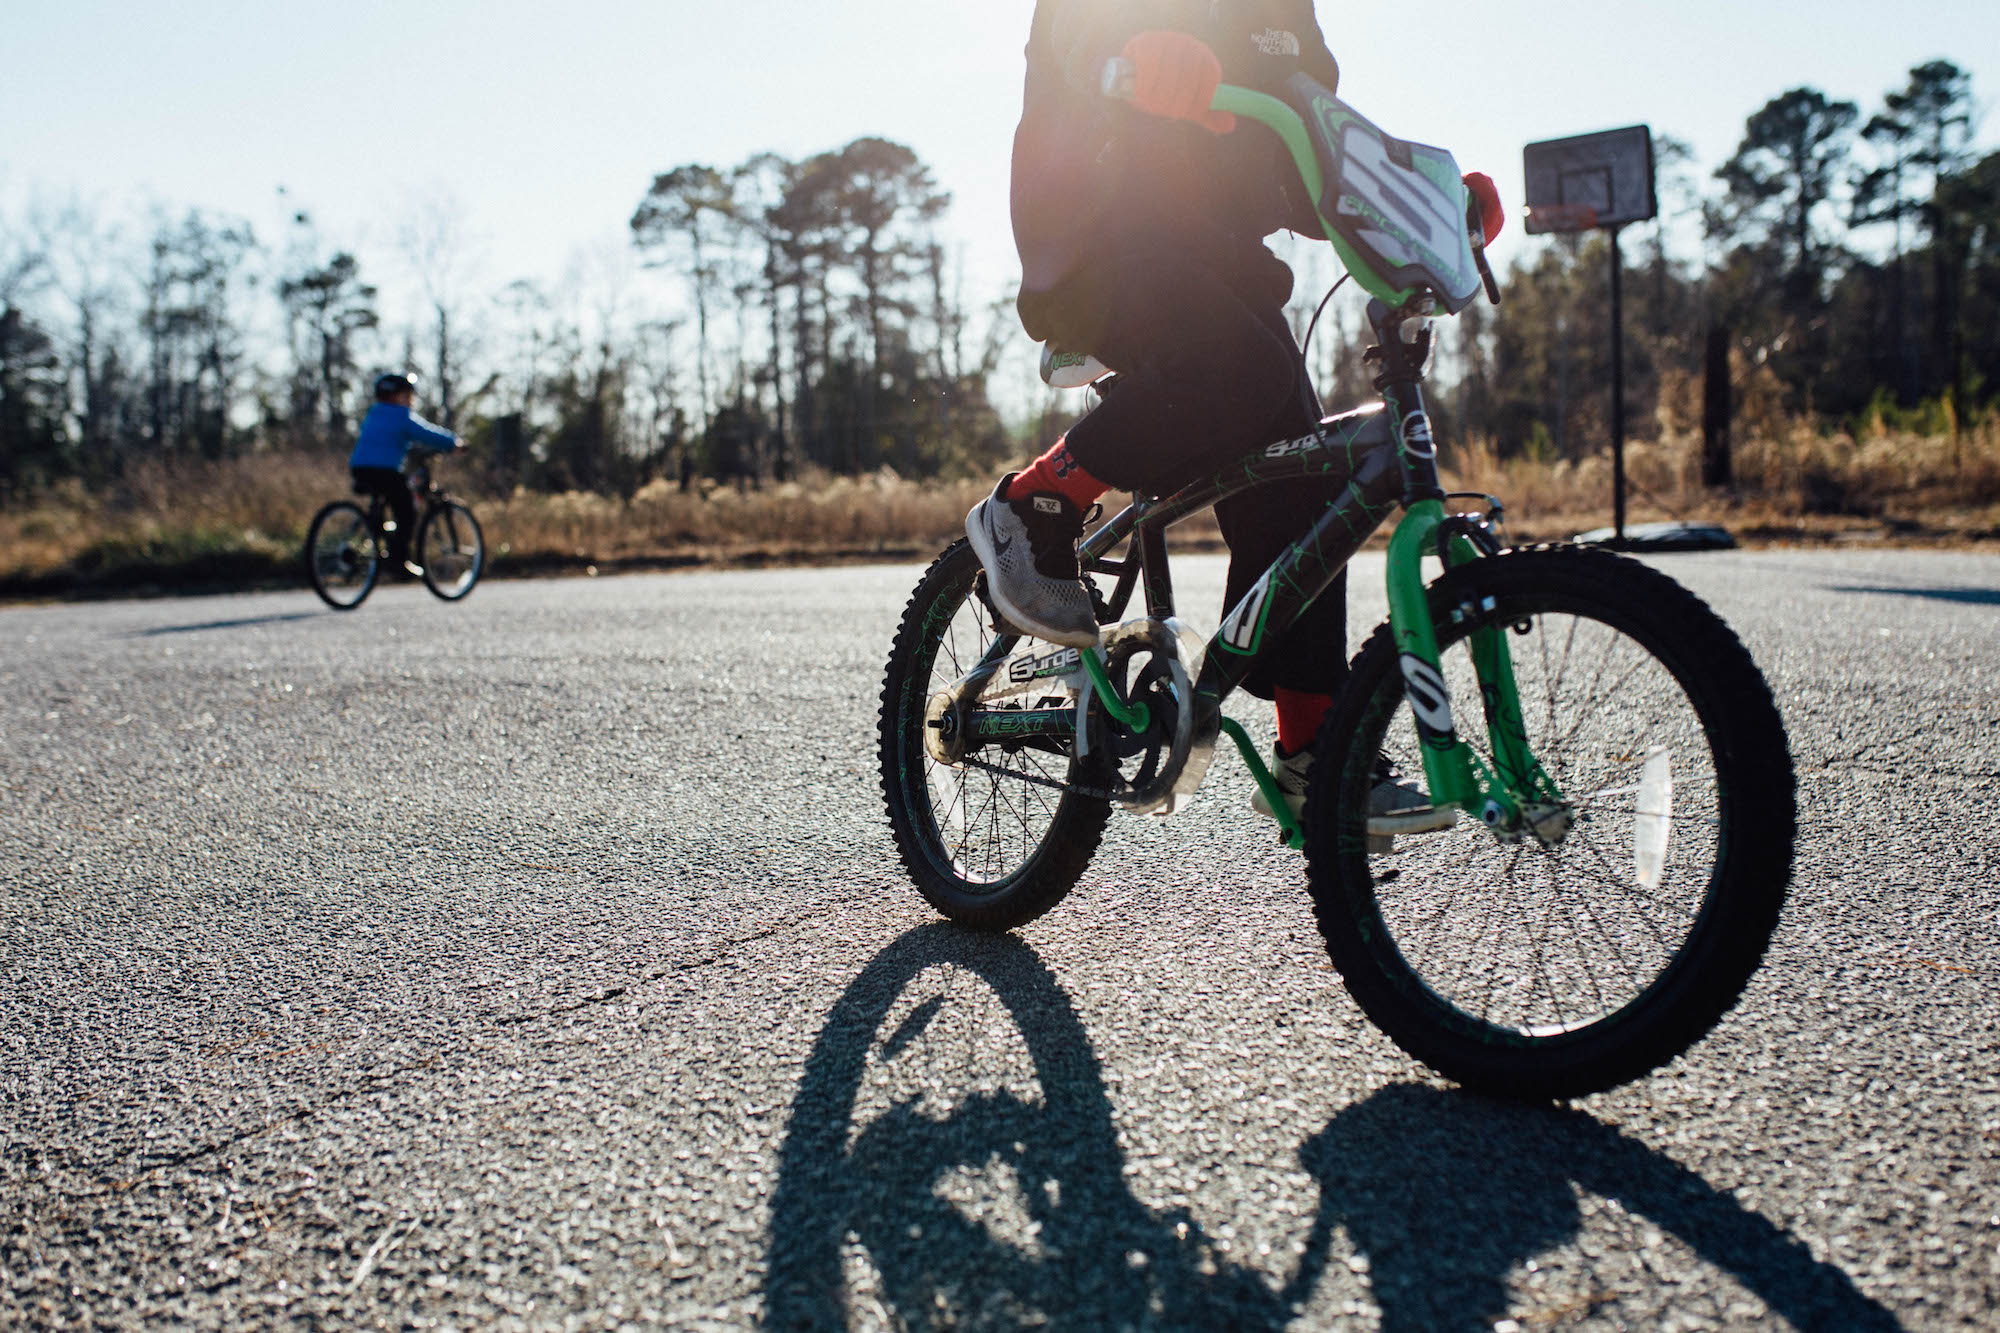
point(1592, 182)
point(1546, 218)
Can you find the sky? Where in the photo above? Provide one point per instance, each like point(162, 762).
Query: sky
point(540, 127)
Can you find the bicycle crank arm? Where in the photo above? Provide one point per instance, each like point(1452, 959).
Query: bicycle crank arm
point(1290, 831)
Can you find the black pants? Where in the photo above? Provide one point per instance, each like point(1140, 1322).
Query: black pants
point(1207, 371)
point(394, 488)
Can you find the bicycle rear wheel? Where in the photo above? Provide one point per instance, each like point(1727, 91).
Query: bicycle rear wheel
point(994, 841)
point(1561, 968)
point(342, 555)
point(451, 549)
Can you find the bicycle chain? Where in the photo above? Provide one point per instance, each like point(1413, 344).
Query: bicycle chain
point(1038, 780)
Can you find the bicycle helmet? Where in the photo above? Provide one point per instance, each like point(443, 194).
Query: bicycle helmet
point(388, 386)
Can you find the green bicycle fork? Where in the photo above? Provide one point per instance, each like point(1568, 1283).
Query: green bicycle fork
point(1453, 772)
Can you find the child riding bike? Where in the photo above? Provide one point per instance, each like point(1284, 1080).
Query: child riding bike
point(1141, 231)
point(389, 433)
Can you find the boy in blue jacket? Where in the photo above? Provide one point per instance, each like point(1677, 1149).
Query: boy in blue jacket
point(389, 433)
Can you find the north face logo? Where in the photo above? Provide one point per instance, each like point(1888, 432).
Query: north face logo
point(1276, 42)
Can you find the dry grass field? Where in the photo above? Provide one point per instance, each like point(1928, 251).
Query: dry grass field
point(1794, 484)
point(191, 526)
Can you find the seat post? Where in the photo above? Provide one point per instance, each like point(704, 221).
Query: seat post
point(1153, 566)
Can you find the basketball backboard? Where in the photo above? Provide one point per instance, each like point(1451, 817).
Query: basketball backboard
point(1590, 180)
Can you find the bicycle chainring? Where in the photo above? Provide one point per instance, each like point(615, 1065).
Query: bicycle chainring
point(1156, 663)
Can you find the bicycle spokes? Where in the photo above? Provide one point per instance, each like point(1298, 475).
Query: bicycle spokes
point(1600, 880)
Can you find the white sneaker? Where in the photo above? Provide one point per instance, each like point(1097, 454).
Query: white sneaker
point(1290, 777)
point(1394, 806)
point(1028, 549)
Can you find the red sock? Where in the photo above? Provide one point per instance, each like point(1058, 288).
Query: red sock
point(1057, 471)
point(1299, 716)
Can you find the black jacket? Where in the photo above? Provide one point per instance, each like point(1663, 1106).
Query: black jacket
point(1090, 174)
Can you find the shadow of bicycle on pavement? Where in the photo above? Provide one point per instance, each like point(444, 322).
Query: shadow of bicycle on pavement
point(244, 622)
point(1962, 596)
point(1443, 1194)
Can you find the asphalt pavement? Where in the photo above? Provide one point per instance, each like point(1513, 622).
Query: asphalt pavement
point(543, 961)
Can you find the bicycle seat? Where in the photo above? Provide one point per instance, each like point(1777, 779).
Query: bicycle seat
point(1064, 369)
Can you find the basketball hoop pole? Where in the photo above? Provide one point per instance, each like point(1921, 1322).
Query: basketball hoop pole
point(1617, 389)
point(1614, 171)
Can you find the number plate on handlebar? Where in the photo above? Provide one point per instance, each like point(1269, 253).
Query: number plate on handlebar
point(1400, 206)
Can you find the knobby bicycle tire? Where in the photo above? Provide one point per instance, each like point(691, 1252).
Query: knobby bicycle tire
point(451, 550)
point(1545, 972)
point(1013, 847)
point(343, 556)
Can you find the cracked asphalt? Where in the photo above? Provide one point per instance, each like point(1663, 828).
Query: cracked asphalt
point(543, 961)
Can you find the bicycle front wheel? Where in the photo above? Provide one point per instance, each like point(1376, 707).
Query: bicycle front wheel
point(451, 549)
point(342, 555)
point(995, 840)
point(1563, 962)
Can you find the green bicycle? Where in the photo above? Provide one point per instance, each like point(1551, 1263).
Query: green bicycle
point(1624, 791)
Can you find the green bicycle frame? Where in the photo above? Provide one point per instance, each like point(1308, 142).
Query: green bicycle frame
point(1383, 466)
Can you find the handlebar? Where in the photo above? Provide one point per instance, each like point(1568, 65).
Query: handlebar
point(1117, 80)
point(417, 474)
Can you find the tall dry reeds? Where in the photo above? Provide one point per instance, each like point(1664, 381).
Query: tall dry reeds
point(1789, 475)
point(844, 515)
point(236, 516)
